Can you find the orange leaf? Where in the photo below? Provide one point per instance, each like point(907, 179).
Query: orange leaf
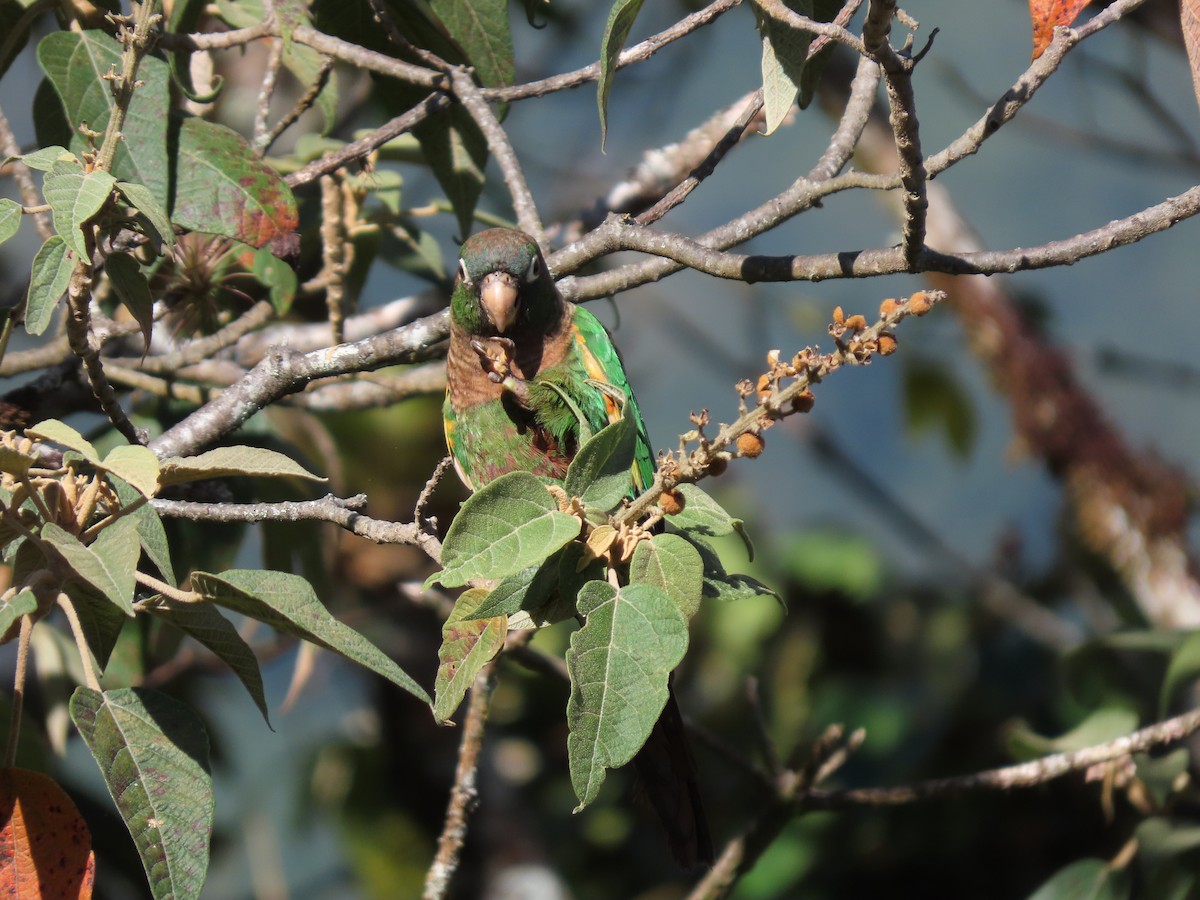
point(1046, 14)
point(1190, 20)
point(45, 847)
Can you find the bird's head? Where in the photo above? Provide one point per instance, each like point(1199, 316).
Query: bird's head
point(502, 281)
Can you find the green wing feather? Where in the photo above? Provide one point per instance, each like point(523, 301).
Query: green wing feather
point(602, 363)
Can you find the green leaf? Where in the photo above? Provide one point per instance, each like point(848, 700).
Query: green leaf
point(1103, 725)
point(144, 201)
point(49, 278)
point(527, 589)
point(15, 462)
point(508, 525)
point(1086, 879)
point(10, 218)
point(616, 31)
point(75, 64)
point(1183, 668)
point(619, 664)
point(784, 51)
point(468, 644)
point(108, 564)
point(184, 16)
point(720, 585)
point(600, 472)
point(65, 436)
point(226, 461)
point(457, 152)
point(289, 604)
point(23, 604)
point(1160, 838)
point(704, 516)
point(133, 290)
point(153, 754)
point(481, 30)
point(101, 620)
point(277, 277)
point(674, 566)
point(46, 158)
point(74, 198)
point(204, 622)
point(136, 465)
point(221, 187)
point(150, 529)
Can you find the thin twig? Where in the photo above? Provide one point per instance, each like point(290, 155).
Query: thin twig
point(465, 792)
point(469, 96)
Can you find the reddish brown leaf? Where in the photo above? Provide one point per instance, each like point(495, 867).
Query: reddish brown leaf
point(1046, 14)
point(45, 847)
point(1190, 19)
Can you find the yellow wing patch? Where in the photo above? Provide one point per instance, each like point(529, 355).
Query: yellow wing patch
point(597, 372)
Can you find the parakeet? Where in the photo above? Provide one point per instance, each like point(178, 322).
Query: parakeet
point(529, 378)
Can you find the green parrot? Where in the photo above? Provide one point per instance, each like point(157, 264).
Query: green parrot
point(529, 378)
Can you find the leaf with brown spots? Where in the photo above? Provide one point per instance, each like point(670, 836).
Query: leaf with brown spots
point(1047, 14)
point(467, 646)
point(222, 188)
point(45, 847)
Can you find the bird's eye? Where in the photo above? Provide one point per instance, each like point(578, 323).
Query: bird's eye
point(534, 270)
point(462, 272)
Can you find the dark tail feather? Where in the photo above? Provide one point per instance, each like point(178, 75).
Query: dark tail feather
point(668, 775)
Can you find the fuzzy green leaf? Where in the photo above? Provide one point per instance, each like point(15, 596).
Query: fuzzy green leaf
point(49, 278)
point(226, 461)
point(457, 152)
point(134, 291)
point(15, 462)
point(204, 622)
point(10, 218)
point(135, 464)
point(108, 564)
point(277, 277)
point(64, 435)
point(784, 52)
point(153, 754)
point(47, 158)
point(102, 621)
point(75, 64)
point(600, 472)
point(289, 604)
point(673, 565)
point(704, 516)
point(616, 31)
point(151, 533)
point(1104, 724)
point(144, 201)
point(468, 644)
point(481, 29)
point(619, 664)
point(720, 585)
point(508, 525)
point(221, 187)
point(22, 604)
point(74, 198)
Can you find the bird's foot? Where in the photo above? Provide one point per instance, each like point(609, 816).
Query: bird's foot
point(496, 357)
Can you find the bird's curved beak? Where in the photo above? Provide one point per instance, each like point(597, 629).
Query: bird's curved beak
point(498, 294)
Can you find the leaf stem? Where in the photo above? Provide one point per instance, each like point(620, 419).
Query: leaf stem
point(85, 654)
point(18, 696)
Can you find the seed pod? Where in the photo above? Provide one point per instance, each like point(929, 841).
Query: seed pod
point(672, 502)
point(856, 323)
point(887, 344)
point(717, 466)
point(918, 303)
point(803, 401)
point(750, 445)
point(839, 317)
point(887, 307)
point(764, 387)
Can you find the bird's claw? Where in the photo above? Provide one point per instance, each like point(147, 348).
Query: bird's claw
point(495, 356)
